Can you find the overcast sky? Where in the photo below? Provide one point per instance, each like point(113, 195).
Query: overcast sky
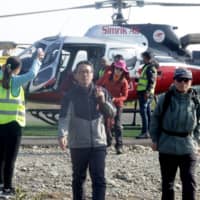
point(27, 29)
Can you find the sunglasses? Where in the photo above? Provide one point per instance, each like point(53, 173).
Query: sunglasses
point(186, 80)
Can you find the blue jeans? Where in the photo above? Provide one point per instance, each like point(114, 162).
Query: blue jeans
point(145, 111)
point(94, 158)
point(169, 165)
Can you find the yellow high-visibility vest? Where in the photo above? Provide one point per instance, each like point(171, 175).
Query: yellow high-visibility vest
point(12, 108)
point(101, 73)
point(3, 60)
point(143, 81)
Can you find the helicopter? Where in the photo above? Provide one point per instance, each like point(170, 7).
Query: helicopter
point(62, 53)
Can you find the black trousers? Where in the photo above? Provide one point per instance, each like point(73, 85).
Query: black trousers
point(94, 158)
point(10, 137)
point(118, 128)
point(169, 165)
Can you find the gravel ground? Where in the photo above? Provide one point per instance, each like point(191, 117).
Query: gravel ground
point(44, 173)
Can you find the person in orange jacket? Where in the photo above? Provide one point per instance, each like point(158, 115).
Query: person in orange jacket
point(115, 82)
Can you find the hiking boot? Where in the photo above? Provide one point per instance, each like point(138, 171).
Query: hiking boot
point(143, 136)
point(7, 193)
point(1, 188)
point(119, 150)
point(109, 141)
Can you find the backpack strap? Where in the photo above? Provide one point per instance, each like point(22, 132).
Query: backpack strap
point(166, 102)
point(195, 98)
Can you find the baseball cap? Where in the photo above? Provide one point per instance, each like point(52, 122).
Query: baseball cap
point(182, 73)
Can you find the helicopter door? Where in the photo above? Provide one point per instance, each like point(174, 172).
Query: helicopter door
point(46, 78)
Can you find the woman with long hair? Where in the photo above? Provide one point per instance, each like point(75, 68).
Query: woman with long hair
point(117, 84)
point(12, 117)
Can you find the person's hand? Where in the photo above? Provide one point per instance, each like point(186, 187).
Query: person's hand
point(198, 151)
point(63, 142)
point(154, 146)
point(146, 95)
point(100, 95)
point(40, 54)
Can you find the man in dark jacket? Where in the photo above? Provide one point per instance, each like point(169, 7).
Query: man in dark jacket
point(175, 133)
point(145, 90)
point(81, 119)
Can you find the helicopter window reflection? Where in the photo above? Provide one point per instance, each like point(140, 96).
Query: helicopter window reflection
point(129, 55)
point(165, 59)
point(65, 56)
point(51, 54)
point(44, 76)
point(81, 55)
point(28, 55)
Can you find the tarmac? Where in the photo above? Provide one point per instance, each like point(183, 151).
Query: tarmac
point(52, 141)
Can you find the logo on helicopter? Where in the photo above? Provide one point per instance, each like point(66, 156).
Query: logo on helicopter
point(119, 33)
point(158, 36)
point(118, 30)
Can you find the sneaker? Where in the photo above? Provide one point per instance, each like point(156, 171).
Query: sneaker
point(142, 136)
point(7, 193)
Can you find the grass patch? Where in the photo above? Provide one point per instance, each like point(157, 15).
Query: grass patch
point(47, 130)
point(131, 131)
point(40, 130)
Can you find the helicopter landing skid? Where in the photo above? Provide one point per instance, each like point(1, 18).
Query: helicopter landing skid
point(49, 116)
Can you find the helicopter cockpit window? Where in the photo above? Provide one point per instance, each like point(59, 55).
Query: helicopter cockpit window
point(44, 76)
point(28, 55)
point(129, 55)
point(65, 56)
point(166, 59)
point(51, 54)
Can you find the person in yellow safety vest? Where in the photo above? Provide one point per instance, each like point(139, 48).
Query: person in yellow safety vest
point(5, 54)
point(103, 69)
point(145, 91)
point(12, 117)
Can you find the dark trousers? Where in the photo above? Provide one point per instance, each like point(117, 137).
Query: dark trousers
point(10, 137)
point(169, 165)
point(145, 111)
point(118, 128)
point(94, 158)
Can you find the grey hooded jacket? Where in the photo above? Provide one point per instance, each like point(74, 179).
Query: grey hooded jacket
point(82, 117)
point(182, 115)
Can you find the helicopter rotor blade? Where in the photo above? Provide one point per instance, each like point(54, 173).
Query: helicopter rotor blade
point(105, 4)
point(97, 5)
point(33, 13)
point(170, 4)
point(141, 3)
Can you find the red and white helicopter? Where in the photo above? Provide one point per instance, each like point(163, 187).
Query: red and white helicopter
point(129, 40)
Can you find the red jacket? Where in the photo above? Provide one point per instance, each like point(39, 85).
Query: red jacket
point(118, 89)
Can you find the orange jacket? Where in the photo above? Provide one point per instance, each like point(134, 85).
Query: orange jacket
point(118, 89)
